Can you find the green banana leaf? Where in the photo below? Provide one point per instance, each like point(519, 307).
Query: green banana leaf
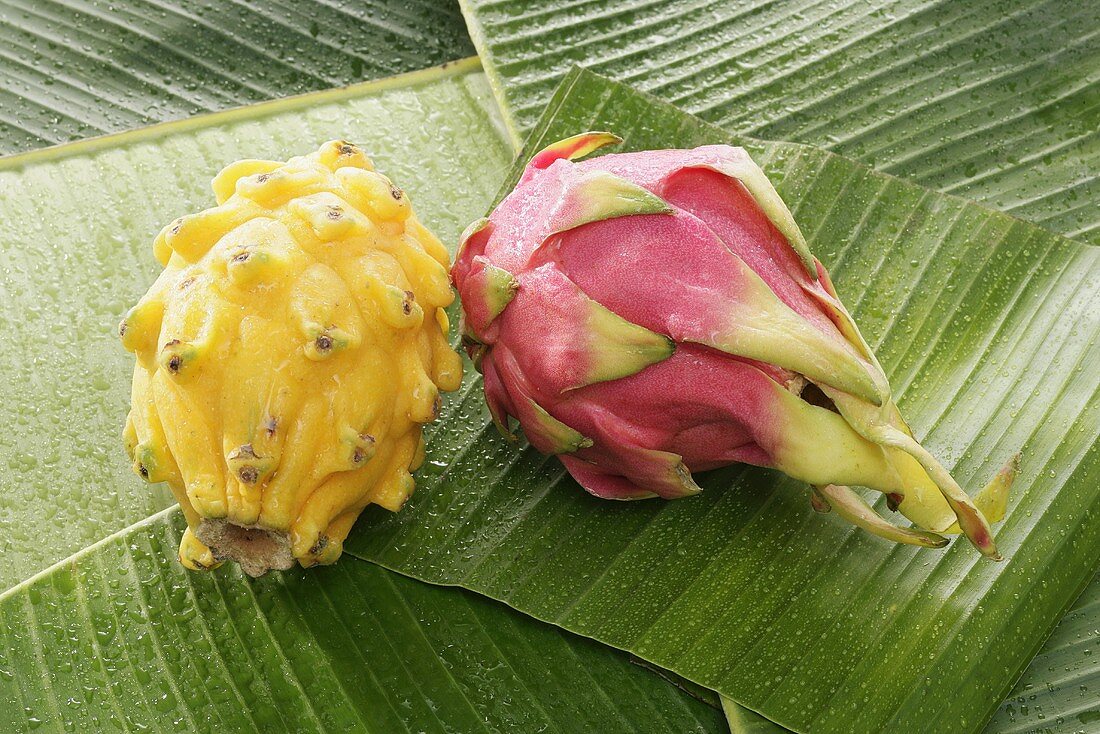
point(987, 327)
point(746, 721)
point(992, 99)
point(75, 253)
point(1059, 691)
point(1056, 695)
point(70, 69)
point(121, 638)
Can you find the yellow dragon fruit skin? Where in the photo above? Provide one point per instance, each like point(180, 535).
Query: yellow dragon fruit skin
point(287, 357)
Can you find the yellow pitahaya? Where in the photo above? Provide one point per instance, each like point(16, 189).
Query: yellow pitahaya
point(287, 356)
point(647, 315)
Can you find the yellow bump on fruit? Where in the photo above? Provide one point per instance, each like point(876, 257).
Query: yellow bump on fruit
point(249, 468)
point(330, 544)
point(187, 428)
point(260, 253)
point(276, 188)
point(339, 492)
point(178, 357)
point(329, 216)
point(194, 555)
point(242, 502)
point(207, 495)
point(161, 251)
point(444, 322)
point(129, 435)
point(429, 278)
point(287, 357)
point(395, 491)
point(151, 457)
point(225, 183)
point(342, 154)
point(325, 312)
point(141, 325)
point(193, 235)
point(431, 244)
point(292, 483)
point(375, 194)
point(358, 447)
point(424, 400)
point(397, 307)
point(446, 364)
point(323, 342)
point(152, 463)
point(328, 549)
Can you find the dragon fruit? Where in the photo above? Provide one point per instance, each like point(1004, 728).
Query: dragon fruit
point(647, 315)
point(287, 357)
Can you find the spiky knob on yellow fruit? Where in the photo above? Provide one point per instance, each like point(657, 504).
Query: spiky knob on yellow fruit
point(287, 356)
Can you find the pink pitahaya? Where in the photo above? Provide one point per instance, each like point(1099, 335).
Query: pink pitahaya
point(646, 315)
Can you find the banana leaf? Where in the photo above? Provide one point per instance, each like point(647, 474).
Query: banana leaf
point(1058, 692)
point(987, 327)
point(1056, 695)
point(71, 69)
point(746, 721)
point(991, 99)
point(75, 252)
point(121, 638)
